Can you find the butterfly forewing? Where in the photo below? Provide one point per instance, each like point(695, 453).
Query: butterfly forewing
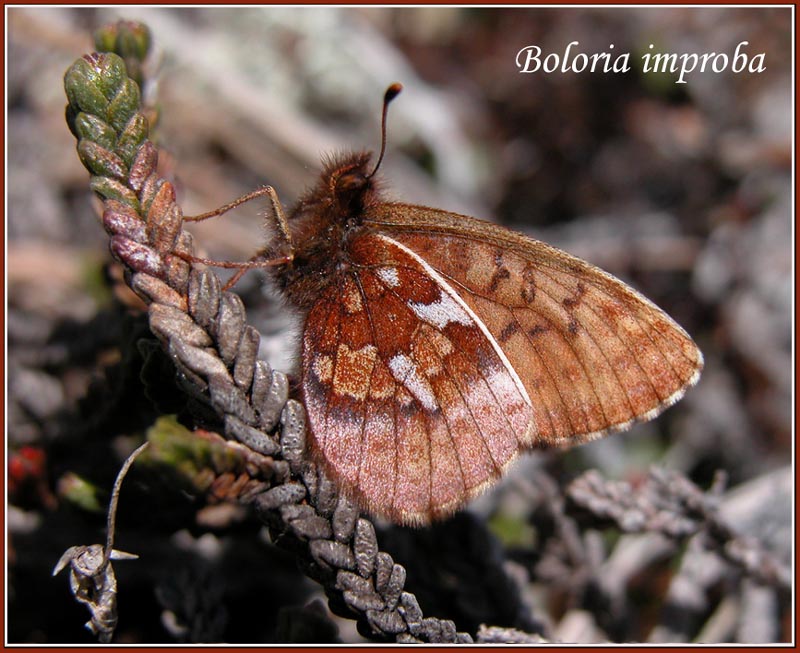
point(412, 403)
point(593, 355)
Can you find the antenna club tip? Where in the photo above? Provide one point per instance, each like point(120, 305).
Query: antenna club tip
point(392, 92)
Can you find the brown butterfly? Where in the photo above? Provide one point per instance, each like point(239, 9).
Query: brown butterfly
point(436, 347)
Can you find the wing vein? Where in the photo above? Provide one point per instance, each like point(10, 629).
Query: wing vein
point(365, 403)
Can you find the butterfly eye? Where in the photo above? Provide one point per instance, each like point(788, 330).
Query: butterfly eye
point(349, 191)
point(351, 182)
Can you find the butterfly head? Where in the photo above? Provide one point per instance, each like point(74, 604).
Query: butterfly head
point(351, 184)
point(348, 185)
point(350, 181)
point(327, 219)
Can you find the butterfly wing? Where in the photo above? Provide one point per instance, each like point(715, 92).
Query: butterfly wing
point(593, 354)
point(413, 406)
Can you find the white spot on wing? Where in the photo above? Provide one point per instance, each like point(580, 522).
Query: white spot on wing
point(389, 276)
point(406, 372)
point(441, 312)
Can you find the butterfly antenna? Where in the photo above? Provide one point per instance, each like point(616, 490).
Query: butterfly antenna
point(391, 93)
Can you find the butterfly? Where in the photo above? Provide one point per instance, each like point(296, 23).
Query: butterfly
point(436, 347)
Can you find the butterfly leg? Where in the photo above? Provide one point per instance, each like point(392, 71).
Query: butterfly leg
point(257, 261)
point(277, 211)
point(222, 210)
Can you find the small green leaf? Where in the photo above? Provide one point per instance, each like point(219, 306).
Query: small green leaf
point(197, 460)
point(81, 493)
point(91, 128)
point(109, 72)
point(82, 92)
point(513, 531)
point(135, 132)
point(110, 189)
point(124, 105)
point(126, 37)
point(101, 161)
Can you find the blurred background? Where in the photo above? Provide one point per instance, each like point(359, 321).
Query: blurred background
point(683, 190)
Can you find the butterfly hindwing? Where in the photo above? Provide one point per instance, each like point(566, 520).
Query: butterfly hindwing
point(412, 403)
point(592, 353)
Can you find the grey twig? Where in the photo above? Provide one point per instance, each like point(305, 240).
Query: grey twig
point(670, 504)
